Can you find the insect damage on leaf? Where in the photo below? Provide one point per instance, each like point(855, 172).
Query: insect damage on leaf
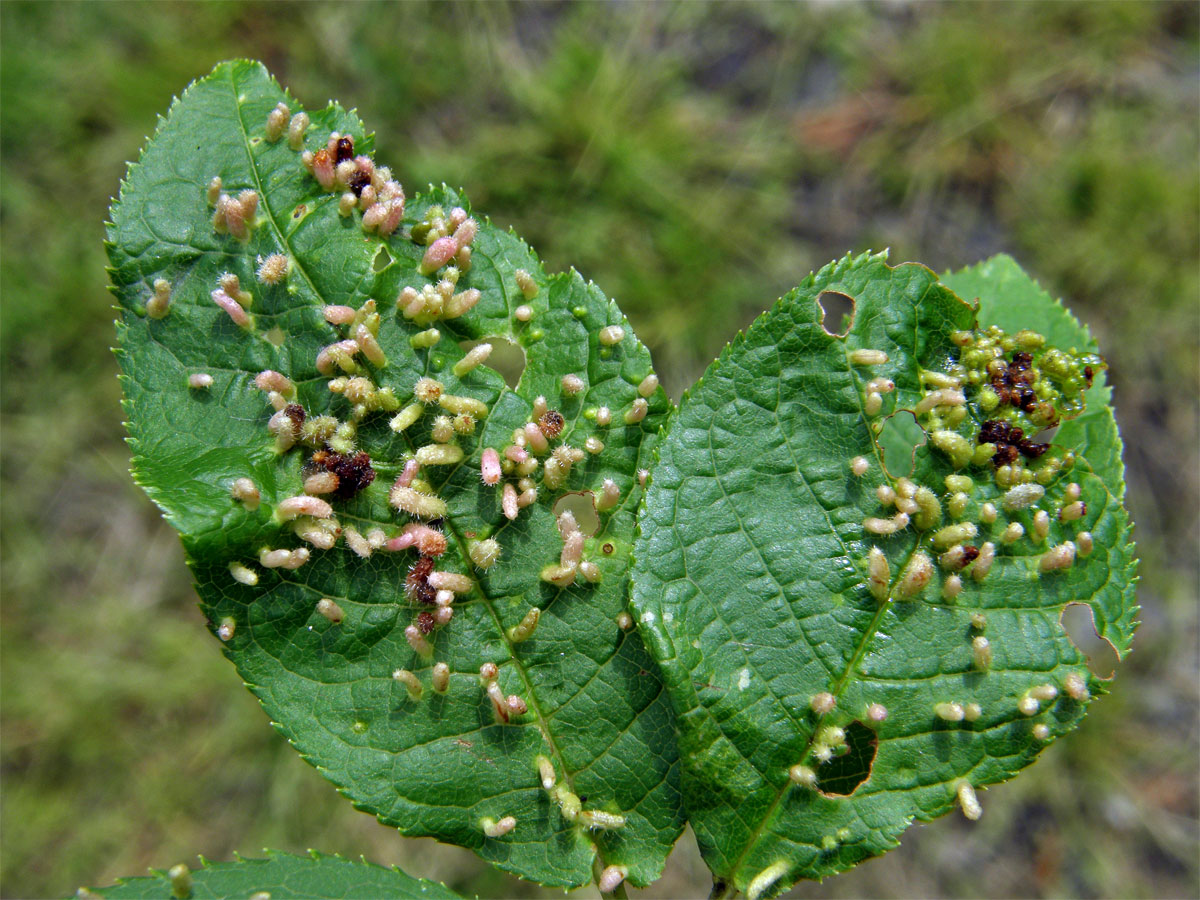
point(854, 597)
point(354, 439)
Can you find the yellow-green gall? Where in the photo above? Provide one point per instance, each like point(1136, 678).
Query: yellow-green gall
point(915, 577)
point(181, 881)
point(485, 553)
point(946, 537)
point(929, 510)
point(411, 683)
point(523, 630)
point(956, 447)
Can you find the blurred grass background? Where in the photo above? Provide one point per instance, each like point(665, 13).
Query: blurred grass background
point(696, 161)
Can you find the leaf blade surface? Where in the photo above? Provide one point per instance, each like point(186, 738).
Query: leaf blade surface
point(440, 765)
point(284, 877)
point(751, 588)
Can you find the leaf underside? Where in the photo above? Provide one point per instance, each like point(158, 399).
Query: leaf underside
point(751, 579)
point(438, 765)
point(282, 876)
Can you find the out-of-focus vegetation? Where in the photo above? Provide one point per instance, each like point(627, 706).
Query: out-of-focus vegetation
point(696, 161)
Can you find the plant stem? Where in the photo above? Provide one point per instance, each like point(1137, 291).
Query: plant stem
point(723, 890)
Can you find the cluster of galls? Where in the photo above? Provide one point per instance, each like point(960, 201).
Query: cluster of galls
point(437, 301)
point(1009, 440)
point(426, 586)
point(364, 187)
point(570, 805)
point(446, 237)
point(351, 471)
point(335, 466)
point(233, 215)
point(362, 336)
point(1017, 387)
point(1018, 379)
point(1011, 383)
point(417, 586)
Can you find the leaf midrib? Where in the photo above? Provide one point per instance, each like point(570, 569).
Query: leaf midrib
point(869, 632)
point(542, 723)
point(263, 197)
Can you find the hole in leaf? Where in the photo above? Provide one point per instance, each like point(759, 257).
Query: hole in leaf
point(506, 357)
point(1079, 622)
point(837, 312)
point(899, 440)
point(842, 774)
point(383, 259)
point(583, 507)
point(1045, 436)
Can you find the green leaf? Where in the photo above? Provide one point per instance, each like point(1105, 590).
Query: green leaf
point(751, 577)
point(280, 876)
point(1012, 300)
point(440, 765)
